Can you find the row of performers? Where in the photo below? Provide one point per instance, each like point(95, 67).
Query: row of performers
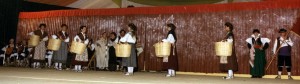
point(256, 44)
point(103, 49)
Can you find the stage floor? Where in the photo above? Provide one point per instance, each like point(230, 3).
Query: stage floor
point(12, 75)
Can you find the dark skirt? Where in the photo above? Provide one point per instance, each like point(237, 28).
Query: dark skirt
point(112, 61)
point(172, 60)
point(130, 61)
point(60, 56)
point(231, 65)
point(259, 63)
point(112, 55)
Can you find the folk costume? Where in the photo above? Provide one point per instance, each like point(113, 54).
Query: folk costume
point(130, 62)
point(60, 56)
point(284, 54)
point(40, 49)
point(257, 46)
point(82, 59)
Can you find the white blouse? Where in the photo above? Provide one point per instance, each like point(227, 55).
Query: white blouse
point(77, 38)
point(66, 40)
point(170, 39)
point(128, 38)
point(285, 43)
point(263, 40)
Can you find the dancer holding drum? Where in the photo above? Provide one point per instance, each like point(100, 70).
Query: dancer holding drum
point(40, 49)
point(130, 38)
point(81, 59)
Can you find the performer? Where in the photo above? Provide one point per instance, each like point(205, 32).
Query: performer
point(130, 38)
point(10, 52)
point(119, 59)
point(101, 52)
point(284, 53)
point(91, 49)
point(48, 60)
point(60, 56)
point(122, 34)
point(112, 62)
point(229, 63)
point(83, 58)
point(40, 49)
point(257, 46)
point(171, 63)
point(22, 53)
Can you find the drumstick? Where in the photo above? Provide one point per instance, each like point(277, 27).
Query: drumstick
point(274, 56)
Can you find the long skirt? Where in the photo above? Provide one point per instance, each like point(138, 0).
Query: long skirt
point(172, 60)
point(39, 52)
point(259, 63)
point(102, 60)
point(61, 55)
point(132, 60)
point(112, 62)
point(81, 59)
point(231, 65)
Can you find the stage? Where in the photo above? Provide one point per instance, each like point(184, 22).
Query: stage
point(13, 75)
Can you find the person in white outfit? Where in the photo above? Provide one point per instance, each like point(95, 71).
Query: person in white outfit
point(101, 52)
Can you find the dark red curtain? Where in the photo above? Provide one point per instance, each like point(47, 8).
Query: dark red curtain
point(198, 27)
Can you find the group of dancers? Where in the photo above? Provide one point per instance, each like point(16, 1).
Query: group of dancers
point(105, 52)
point(257, 57)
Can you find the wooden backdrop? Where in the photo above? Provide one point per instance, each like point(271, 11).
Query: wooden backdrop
point(197, 30)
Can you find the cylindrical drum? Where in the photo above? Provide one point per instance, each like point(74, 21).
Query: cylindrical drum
point(77, 47)
point(54, 44)
point(123, 50)
point(162, 49)
point(223, 48)
point(34, 40)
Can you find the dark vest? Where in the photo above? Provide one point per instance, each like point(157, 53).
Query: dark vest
point(39, 33)
point(284, 51)
point(81, 37)
point(256, 43)
point(60, 34)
